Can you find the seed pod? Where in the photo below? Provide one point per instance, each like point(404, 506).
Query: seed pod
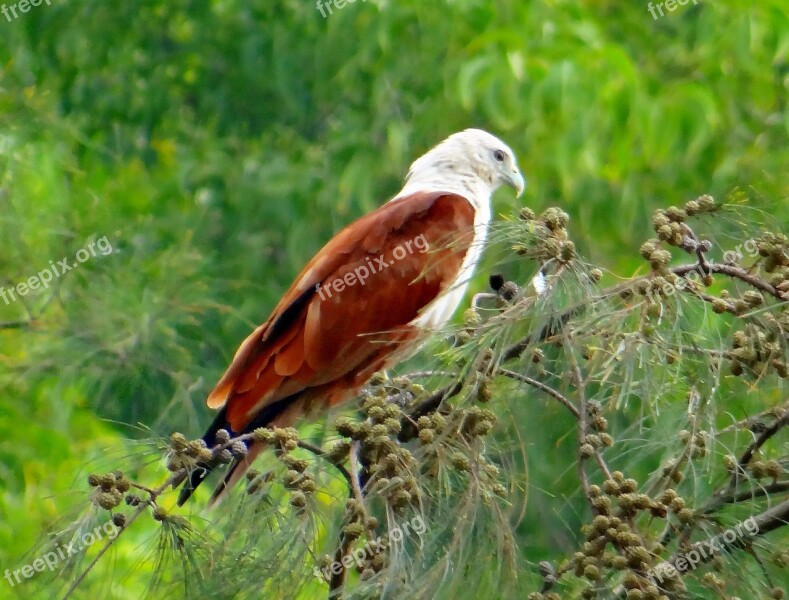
point(602, 504)
point(526, 214)
point(658, 510)
point(438, 421)
point(484, 393)
point(119, 519)
point(482, 428)
point(426, 435)
point(691, 207)
point(567, 251)
point(677, 504)
point(379, 430)
point(178, 441)
point(554, 218)
point(263, 435)
point(706, 203)
point(106, 501)
point(194, 447)
point(676, 214)
point(660, 218)
point(460, 462)
point(298, 499)
point(753, 298)
point(133, 499)
point(601, 523)
point(346, 427)
point(591, 572)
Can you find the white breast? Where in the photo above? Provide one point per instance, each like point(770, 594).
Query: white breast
point(436, 314)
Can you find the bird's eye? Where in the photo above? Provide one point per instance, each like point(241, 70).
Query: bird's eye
point(498, 155)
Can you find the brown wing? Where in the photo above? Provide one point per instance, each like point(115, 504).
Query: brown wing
point(331, 331)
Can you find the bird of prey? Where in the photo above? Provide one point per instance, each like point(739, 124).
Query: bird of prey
point(367, 299)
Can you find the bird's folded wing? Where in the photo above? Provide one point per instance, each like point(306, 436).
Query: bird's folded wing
point(351, 302)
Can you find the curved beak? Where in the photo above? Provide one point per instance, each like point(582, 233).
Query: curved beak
point(516, 180)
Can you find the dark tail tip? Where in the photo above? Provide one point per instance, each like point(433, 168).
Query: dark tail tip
point(195, 478)
point(202, 469)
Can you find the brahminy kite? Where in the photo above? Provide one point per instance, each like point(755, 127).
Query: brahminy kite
point(366, 299)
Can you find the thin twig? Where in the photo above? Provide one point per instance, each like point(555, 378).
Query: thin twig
point(754, 420)
point(765, 435)
point(775, 487)
point(542, 387)
point(583, 418)
point(739, 470)
point(735, 273)
point(17, 324)
point(321, 454)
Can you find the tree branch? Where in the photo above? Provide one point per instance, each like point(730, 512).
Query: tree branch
point(735, 273)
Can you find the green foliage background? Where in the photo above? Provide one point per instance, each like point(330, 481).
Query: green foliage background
point(218, 144)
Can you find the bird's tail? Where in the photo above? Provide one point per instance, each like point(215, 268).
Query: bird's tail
point(281, 414)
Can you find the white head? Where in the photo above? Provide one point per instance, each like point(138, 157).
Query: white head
point(468, 162)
